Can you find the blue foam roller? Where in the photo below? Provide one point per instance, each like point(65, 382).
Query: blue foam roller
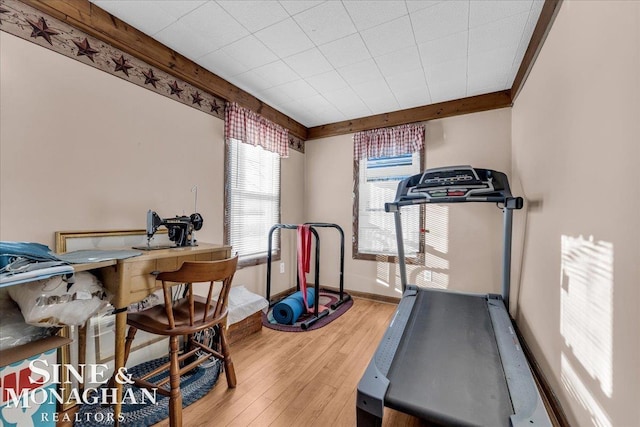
point(287, 311)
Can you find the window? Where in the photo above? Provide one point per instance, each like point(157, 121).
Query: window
point(382, 158)
point(254, 146)
point(252, 204)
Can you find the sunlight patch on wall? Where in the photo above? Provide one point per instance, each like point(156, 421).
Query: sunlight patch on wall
point(586, 315)
point(439, 280)
point(586, 298)
point(435, 262)
point(434, 272)
point(580, 392)
point(382, 274)
point(437, 222)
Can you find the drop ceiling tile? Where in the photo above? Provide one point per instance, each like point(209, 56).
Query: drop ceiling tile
point(448, 91)
point(345, 51)
point(483, 90)
point(367, 14)
point(440, 20)
point(502, 34)
point(381, 106)
point(251, 82)
point(447, 80)
point(329, 116)
point(274, 97)
point(326, 22)
point(212, 23)
point(176, 8)
point(285, 38)
point(444, 50)
point(357, 113)
point(327, 82)
point(294, 7)
point(532, 21)
point(406, 80)
point(308, 118)
point(316, 101)
point(308, 63)
point(373, 89)
point(416, 5)
point(276, 73)
point(293, 109)
point(510, 76)
point(536, 9)
point(250, 52)
point(486, 11)
point(220, 63)
point(138, 14)
point(255, 15)
point(534, 15)
point(489, 68)
point(414, 97)
point(390, 36)
point(457, 67)
point(298, 89)
point(301, 56)
point(399, 62)
point(377, 96)
point(181, 38)
point(361, 72)
point(348, 103)
point(341, 96)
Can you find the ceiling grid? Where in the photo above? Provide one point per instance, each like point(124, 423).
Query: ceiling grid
point(323, 62)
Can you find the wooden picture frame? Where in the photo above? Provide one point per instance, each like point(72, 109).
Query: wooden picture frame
point(67, 241)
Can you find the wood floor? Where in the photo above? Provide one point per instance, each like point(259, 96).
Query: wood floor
point(293, 379)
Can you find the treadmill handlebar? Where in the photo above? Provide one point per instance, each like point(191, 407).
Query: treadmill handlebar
point(510, 203)
point(457, 184)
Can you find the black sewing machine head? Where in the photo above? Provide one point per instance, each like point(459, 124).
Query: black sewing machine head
point(180, 228)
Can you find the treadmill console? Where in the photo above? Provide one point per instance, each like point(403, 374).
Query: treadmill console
point(453, 182)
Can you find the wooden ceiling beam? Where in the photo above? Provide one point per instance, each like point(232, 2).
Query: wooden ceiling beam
point(545, 21)
point(100, 24)
point(441, 110)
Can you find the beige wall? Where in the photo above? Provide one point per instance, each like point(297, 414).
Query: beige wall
point(471, 234)
point(83, 150)
point(576, 152)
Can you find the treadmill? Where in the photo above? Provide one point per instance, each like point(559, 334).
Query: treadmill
point(452, 358)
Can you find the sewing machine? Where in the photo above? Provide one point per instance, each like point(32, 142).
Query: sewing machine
point(180, 228)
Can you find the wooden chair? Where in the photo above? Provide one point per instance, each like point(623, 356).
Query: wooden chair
point(185, 317)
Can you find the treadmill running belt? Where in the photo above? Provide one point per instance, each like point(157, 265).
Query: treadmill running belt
point(447, 368)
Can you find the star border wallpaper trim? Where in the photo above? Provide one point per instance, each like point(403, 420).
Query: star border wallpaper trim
point(27, 23)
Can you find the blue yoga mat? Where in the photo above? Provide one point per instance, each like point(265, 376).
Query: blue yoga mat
point(287, 311)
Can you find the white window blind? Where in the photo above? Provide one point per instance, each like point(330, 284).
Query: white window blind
point(253, 200)
point(378, 181)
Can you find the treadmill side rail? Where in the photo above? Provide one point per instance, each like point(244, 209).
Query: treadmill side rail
point(373, 385)
point(527, 404)
point(370, 397)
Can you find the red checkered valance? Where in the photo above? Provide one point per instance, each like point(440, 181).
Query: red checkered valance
point(251, 128)
point(387, 142)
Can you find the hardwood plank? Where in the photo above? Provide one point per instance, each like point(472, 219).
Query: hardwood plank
point(251, 413)
point(306, 378)
point(286, 379)
point(441, 110)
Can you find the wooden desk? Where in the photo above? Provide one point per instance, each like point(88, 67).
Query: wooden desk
point(130, 280)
